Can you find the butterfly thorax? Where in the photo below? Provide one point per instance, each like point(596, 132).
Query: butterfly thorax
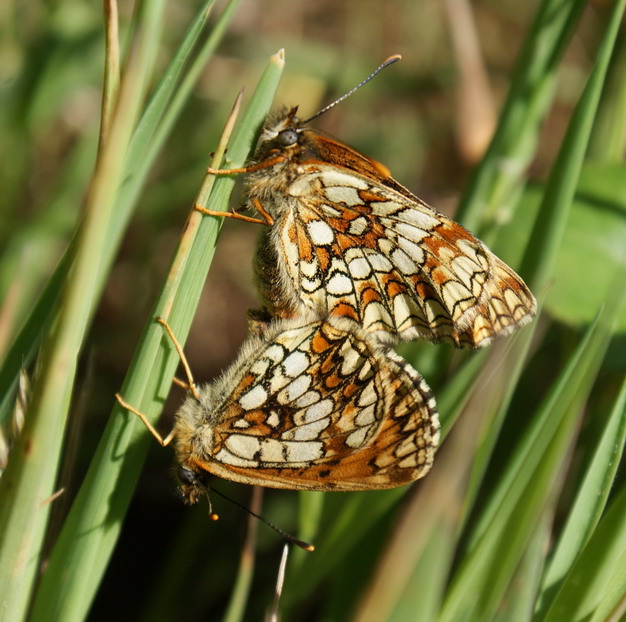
point(300, 150)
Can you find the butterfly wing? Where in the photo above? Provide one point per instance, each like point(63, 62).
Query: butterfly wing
point(354, 247)
point(316, 406)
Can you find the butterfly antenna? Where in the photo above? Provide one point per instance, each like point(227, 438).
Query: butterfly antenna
point(212, 515)
point(389, 61)
point(288, 537)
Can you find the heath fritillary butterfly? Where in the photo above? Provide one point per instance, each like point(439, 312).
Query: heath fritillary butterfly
point(345, 238)
point(308, 404)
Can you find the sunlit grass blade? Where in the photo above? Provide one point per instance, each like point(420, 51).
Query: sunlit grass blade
point(596, 587)
point(30, 476)
point(112, 73)
point(549, 226)
point(608, 142)
point(519, 599)
point(428, 579)
point(589, 504)
point(77, 563)
point(497, 182)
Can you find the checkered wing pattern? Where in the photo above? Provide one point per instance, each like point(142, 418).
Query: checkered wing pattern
point(391, 263)
point(313, 405)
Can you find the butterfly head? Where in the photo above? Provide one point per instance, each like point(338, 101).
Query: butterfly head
point(280, 135)
point(192, 484)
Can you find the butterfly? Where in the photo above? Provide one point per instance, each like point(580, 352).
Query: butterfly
point(308, 404)
point(344, 238)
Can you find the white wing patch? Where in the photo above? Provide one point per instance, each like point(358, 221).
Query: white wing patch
point(320, 232)
point(254, 398)
point(348, 195)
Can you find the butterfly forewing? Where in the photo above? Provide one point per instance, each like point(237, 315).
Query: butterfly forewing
point(319, 406)
point(350, 241)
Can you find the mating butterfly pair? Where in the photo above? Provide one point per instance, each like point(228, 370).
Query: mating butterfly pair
point(350, 262)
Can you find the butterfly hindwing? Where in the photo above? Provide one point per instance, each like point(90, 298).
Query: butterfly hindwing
point(316, 405)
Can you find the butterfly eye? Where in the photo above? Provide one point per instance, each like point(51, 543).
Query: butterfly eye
point(186, 476)
point(287, 138)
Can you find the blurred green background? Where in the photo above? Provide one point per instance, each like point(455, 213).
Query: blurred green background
point(429, 118)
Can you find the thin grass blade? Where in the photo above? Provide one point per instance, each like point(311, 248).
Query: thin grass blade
point(31, 473)
point(589, 504)
point(497, 182)
point(596, 587)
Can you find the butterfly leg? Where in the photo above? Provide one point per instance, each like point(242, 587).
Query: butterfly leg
point(266, 220)
point(163, 441)
point(247, 169)
point(258, 206)
point(190, 385)
point(181, 383)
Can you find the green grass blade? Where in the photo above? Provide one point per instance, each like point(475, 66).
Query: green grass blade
point(497, 181)
point(31, 473)
point(526, 486)
point(428, 579)
point(597, 584)
point(608, 142)
point(168, 100)
point(519, 599)
point(590, 501)
point(150, 120)
point(92, 527)
point(547, 234)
